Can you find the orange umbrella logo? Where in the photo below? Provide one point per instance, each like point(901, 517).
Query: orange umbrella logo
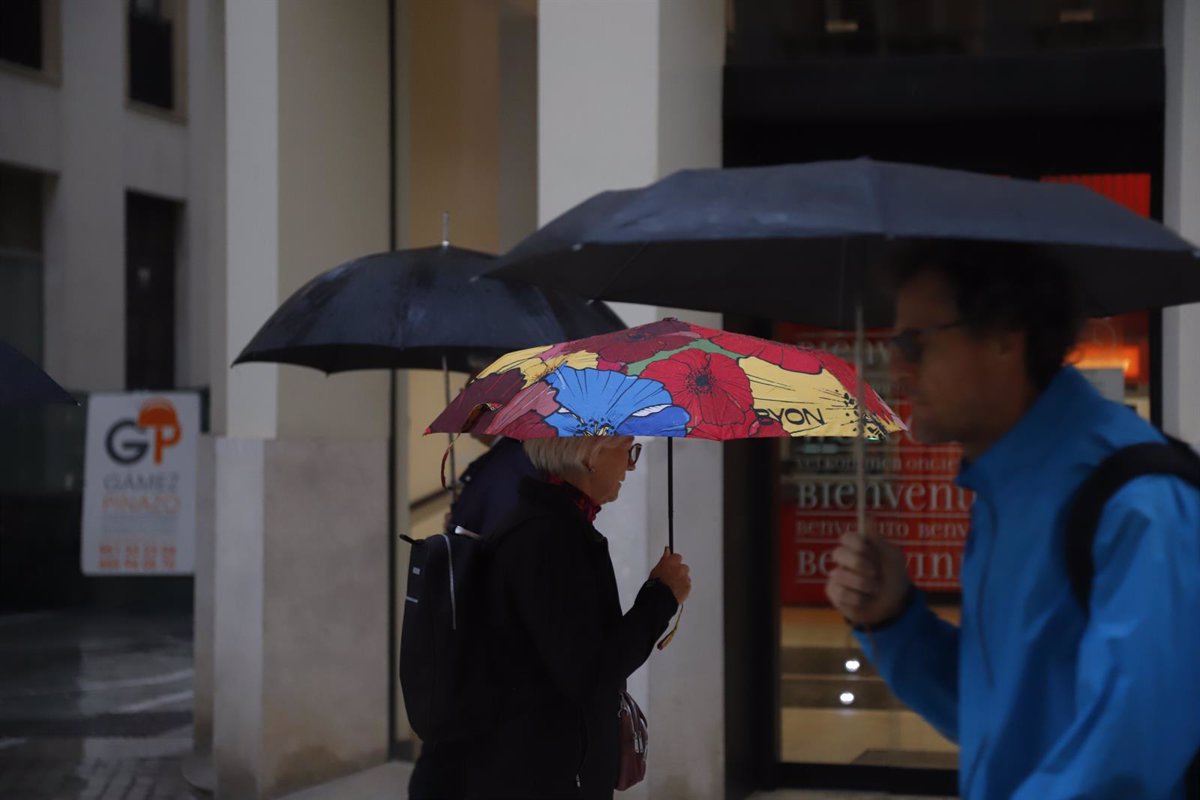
point(159, 415)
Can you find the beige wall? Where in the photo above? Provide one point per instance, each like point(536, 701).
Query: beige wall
point(469, 154)
point(333, 188)
point(454, 113)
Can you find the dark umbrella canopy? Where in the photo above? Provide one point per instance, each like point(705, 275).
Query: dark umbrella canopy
point(407, 309)
point(23, 382)
point(800, 241)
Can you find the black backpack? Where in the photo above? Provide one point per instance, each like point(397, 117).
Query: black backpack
point(443, 642)
point(1172, 458)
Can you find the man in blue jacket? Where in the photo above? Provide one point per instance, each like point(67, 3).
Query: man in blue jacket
point(1047, 699)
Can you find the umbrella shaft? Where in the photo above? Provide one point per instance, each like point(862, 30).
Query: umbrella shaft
point(671, 494)
point(449, 436)
point(860, 443)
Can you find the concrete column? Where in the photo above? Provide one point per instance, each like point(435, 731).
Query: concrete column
point(1181, 176)
point(85, 258)
point(630, 90)
point(201, 357)
point(201, 330)
point(300, 565)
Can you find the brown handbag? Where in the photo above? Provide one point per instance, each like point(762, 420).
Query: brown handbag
point(633, 738)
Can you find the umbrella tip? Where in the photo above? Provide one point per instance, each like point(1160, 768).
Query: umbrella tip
point(445, 229)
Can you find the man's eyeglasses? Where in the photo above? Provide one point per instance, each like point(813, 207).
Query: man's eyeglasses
point(635, 452)
point(908, 342)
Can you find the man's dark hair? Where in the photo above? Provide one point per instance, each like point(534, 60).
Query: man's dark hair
point(1011, 287)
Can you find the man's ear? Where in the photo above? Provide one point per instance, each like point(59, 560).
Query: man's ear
point(1009, 344)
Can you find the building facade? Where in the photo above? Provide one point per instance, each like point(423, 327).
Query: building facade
point(171, 171)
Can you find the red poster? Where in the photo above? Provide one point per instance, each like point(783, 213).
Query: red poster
point(910, 491)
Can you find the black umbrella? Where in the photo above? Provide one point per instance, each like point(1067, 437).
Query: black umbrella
point(799, 242)
point(427, 308)
point(418, 309)
point(23, 382)
point(804, 242)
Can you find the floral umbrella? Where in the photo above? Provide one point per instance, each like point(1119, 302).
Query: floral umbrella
point(672, 379)
point(667, 378)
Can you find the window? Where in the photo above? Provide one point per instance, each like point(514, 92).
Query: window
point(150, 246)
point(21, 204)
point(826, 683)
point(786, 30)
point(155, 63)
point(21, 32)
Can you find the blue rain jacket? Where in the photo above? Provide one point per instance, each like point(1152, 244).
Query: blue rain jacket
point(1046, 702)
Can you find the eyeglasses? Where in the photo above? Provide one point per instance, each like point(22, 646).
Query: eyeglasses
point(635, 452)
point(908, 341)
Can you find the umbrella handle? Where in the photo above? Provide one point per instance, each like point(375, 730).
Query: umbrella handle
point(450, 447)
point(447, 456)
point(666, 640)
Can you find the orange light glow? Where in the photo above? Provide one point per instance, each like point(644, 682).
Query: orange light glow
point(1125, 357)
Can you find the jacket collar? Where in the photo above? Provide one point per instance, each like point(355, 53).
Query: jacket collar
point(586, 506)
point(562, 497)
point(1059, 410)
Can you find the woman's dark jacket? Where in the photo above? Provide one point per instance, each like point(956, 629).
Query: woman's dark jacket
point(560, 651)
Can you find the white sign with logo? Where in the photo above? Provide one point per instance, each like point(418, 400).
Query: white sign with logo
point(139, 493)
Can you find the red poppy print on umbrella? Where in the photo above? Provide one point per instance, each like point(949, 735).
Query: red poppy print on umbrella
point(790, 357)
point(711, 388)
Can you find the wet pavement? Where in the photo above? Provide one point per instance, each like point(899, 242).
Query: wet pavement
point(94, 707)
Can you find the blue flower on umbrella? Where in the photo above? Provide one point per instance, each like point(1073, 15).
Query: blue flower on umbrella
point(598, 402)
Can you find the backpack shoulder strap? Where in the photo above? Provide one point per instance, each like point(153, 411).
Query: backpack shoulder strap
point(1173, 457)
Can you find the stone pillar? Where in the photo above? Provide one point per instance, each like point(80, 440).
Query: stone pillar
point(203, 360)
point(1181, 206)
point(85, 238)
point(630, 90)
point(300, 566)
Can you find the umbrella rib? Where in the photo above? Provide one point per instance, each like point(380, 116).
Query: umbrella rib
point(621, 271)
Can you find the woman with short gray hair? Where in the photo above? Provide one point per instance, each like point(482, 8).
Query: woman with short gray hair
point(561, 646)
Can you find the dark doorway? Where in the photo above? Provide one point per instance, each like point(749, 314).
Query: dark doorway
point(151, 227)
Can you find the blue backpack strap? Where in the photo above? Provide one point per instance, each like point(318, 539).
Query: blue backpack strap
point(1083, 517)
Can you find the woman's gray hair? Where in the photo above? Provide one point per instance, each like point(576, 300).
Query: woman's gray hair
point(565, 456)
